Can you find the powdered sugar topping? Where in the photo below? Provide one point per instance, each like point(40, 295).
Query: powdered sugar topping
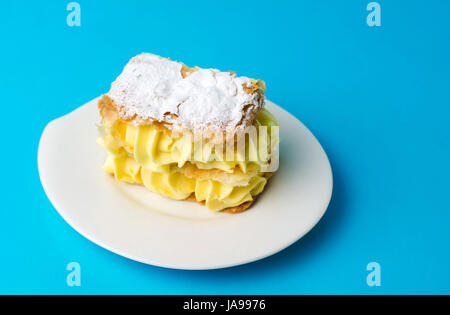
point(153, 88)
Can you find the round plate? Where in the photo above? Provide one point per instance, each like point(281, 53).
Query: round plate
point(133, 222)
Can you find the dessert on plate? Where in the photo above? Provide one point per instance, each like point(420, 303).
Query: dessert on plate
point(189, 133)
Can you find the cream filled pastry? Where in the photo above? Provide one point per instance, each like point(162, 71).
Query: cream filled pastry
point(189, 133)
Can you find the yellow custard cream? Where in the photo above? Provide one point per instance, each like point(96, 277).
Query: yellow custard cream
point(170, 166)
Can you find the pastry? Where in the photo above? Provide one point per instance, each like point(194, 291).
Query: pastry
point(189, 133)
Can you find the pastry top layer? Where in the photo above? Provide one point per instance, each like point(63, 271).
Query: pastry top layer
point(155, 89)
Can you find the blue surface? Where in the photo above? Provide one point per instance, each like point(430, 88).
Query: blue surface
point(377, 98)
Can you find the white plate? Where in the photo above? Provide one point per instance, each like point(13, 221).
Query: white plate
point(143, 226)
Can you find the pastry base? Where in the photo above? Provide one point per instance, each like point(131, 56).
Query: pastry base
point(241, 208)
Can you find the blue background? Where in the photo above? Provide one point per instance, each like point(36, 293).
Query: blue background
point(377, 98)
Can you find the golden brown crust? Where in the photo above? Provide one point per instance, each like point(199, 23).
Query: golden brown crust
point(230, 210)
point(238, 209)
point(186, 71)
